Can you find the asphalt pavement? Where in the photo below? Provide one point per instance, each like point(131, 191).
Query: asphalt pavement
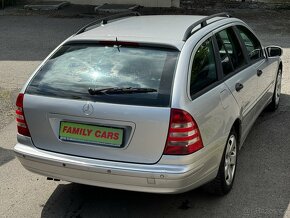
point(262, 185)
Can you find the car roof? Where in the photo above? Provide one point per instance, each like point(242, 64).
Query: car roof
point(154, 29)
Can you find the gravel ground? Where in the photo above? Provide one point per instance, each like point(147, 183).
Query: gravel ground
point(6, 107)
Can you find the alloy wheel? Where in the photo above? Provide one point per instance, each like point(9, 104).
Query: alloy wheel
point(230, 159)
point(278, 87)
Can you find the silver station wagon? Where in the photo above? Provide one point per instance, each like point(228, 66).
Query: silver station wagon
point(157, 104)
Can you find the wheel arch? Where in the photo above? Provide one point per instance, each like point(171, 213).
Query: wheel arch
point(237, 126)
point(281, 66)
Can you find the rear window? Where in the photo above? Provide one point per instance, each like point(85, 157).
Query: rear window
point(74, 69)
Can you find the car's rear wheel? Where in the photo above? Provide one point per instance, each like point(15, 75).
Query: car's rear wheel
point(223, 183)
point(277, 92)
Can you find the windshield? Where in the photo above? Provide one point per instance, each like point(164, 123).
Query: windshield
point(75, 69)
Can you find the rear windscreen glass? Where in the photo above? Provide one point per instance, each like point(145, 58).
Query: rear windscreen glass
point(76, 69)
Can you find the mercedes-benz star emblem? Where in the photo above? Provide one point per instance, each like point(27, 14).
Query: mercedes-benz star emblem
point(88, 109)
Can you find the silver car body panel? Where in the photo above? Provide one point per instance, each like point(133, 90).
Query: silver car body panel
point(146, 128)
point(172, 174)
point(140, 165)
point(143, 29)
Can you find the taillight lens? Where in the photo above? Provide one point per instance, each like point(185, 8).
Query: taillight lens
point(183, 135)
point(20, 119)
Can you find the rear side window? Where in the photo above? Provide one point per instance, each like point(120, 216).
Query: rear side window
point(230, 51)
point(75, 69)
point(203, 71)
point(252, 44)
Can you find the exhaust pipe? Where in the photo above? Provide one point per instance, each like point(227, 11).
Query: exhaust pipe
point(52, 179)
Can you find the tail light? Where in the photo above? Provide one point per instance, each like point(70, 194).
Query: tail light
point(183, 135)
point(20, 119)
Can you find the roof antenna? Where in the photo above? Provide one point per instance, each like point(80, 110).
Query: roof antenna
point(117, 43)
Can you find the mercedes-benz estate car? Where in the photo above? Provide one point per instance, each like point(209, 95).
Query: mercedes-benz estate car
point(157, 104)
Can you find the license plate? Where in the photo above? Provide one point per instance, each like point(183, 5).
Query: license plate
point(92, 134)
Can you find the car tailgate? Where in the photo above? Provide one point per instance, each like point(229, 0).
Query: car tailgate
point(143, 128)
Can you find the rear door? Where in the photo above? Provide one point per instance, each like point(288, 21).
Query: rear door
point(238, 75)
point(264, 68)
point(125, 118)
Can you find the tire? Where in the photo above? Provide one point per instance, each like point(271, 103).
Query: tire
point(223, 183)
point(276, 96)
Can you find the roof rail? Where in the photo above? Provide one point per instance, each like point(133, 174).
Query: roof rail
point(105, 20)
point(202, 23)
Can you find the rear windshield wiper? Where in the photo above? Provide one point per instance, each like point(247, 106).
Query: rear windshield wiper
point(127, 90)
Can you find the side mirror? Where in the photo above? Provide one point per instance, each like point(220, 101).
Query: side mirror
point(274, 51)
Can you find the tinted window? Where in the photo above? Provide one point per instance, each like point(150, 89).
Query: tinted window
point(252, 44)
point(230, 51)
point(203, 72)
point(76, 68)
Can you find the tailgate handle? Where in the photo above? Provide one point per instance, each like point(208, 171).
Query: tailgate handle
point(239, 86)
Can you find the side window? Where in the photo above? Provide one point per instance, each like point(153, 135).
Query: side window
point(203, 71)
point(252, 44)
point(230, 51)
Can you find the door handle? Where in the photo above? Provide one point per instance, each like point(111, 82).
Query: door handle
point(239, 86)
point(259, 72)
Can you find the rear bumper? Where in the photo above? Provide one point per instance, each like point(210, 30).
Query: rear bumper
point(157, 178)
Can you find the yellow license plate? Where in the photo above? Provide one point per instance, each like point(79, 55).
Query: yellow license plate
point(85, 133)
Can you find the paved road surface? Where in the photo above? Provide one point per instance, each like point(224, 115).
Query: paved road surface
point(262, 186)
